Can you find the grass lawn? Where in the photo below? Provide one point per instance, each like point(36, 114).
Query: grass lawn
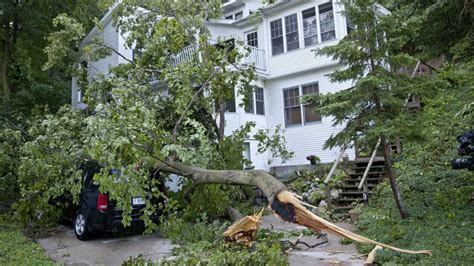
point(16, 248)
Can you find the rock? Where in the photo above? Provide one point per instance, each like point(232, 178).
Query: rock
point(334, 194)
point(323, 203)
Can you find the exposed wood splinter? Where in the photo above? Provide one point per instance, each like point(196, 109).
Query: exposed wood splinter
point(243, 231)
point(290, 209)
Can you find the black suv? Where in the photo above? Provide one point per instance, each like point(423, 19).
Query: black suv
point(97, 213)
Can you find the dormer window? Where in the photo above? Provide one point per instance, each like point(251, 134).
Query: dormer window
point(239, 15)
point(235, 16)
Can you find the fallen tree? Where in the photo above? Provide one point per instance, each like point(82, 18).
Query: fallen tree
point(283, 203)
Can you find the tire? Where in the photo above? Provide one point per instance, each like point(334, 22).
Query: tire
point(81, 228)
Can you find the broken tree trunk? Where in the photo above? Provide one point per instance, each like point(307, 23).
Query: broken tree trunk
point(243, 231)
point(283, 203)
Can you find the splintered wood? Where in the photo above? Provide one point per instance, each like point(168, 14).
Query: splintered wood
point(289, 208)
point(244, 230)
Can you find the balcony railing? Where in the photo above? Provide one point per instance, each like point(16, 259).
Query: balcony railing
point(255, 56)
point(184, 55)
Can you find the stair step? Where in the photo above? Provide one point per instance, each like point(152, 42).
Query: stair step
point(370, 173)
point(356, 186)
point(341, 207)
point(353, 192)
point(365, 167)
point(367, 179)
point(348, 199)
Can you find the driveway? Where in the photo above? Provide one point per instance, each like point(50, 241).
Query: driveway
point(63, 247)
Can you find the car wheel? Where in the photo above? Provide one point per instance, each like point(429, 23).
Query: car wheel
point(80, 226)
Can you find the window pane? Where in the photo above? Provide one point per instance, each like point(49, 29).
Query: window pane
point(291, 26)
point(310, 114)
point(276, 30)
point(292, 97)
point(326, 22)
point(292, 106)
point(259, 101)
point(239, 15)
point(310, 30)
point(309, 109)
point(230, 106)
point(293, 116)
point(249, 106)
point(277, 46)
point(252, 39)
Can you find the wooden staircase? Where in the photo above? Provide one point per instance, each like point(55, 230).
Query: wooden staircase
point(350, 188)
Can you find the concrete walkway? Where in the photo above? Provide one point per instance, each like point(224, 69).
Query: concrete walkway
point(331, 253)
point(65, 248)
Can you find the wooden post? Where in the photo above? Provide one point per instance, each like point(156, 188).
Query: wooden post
point(364, 177)
point(334, 166)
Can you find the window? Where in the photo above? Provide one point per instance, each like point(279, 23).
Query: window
point(247, 156)
point(249, 106)
point(309, 109)
point(259, 101)
point(252, 39)
point(310, 28)
point(292, 106)
point(291, 27)
point(229, 17)
point(276, 29)
point(295, 112)
point(256, 102)
point(230, 106)
point(238, 15)
point(326, 22)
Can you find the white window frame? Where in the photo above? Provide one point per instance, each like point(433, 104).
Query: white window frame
point(282, 36)
point(316, 17)
point(246, 38)
point(253, 102)
point(319, 22)
point(301, 105)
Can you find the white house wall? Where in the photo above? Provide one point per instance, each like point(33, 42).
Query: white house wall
point(111, 38)
point(308, 139)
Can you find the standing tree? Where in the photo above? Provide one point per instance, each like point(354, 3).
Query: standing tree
point(168, 128)
point(374, 107)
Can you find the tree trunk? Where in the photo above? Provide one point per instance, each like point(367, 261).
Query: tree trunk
point(221, 122)
point(5, 57)
point(387, 154)
point(283, 203)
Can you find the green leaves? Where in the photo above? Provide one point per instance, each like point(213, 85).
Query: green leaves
point(60, 42)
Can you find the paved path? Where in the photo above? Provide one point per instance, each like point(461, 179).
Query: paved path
point(65, 248)
point(332, 253)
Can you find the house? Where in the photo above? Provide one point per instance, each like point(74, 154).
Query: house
point(281, 47)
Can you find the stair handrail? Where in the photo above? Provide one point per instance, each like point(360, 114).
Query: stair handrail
point(369, 165)
point(334, 166)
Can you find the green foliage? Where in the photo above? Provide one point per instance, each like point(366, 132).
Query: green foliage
point(202, 242)
point(439, 198)
point(16, 248)
point(48, 165)
point(374, 105)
